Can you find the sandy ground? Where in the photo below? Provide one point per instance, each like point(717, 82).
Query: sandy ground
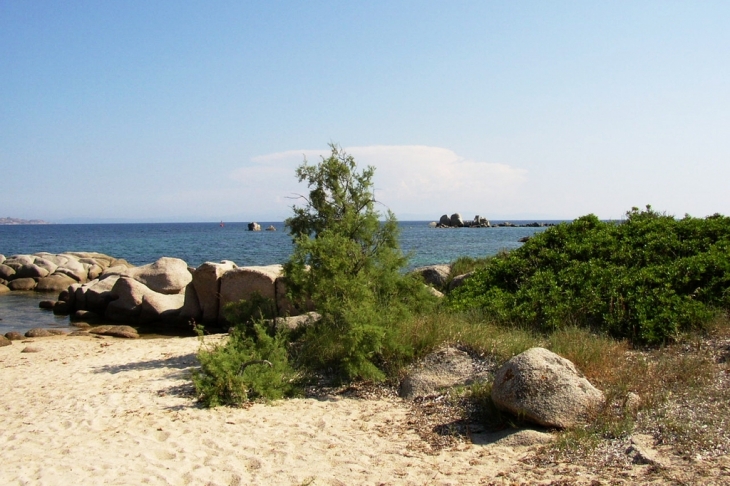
point(83, 410)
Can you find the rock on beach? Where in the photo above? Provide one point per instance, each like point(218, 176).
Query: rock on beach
point(546, 389)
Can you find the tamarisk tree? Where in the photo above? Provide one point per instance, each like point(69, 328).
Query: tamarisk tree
point(348, 264)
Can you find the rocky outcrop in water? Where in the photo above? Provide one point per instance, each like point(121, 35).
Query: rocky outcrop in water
point(48, 272)
point(456, 221)
point(97, 287)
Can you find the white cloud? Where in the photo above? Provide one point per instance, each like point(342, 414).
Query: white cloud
point(412, 180)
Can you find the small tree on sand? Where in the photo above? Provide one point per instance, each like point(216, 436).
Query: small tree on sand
point(349, 265)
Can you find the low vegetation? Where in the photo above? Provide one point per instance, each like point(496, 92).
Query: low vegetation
point(647, 279)
point(253, 363)
point(640, 306)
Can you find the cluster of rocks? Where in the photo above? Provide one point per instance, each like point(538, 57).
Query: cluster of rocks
point(537, 386)
point(257, 227)
point(98, 331)
point(97, 287)
point(456, 221)
point(46, 272)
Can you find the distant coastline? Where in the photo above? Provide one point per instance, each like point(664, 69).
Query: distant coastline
point(22, 221)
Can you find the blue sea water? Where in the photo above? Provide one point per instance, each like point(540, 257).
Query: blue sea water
point(196, 243)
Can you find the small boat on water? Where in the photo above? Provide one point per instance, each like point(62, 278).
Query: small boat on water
point(222, 225)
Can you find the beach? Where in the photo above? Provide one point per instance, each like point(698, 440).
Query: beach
point(87, 410)
point(84, 410)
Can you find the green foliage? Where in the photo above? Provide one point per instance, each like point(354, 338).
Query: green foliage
point(250, 365)
point(348, 264)
point(464, 265)
point(648, 278)
point(246, 312)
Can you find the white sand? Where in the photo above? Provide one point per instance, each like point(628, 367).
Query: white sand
point(110, 411)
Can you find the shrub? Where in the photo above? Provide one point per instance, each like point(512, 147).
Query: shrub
point(648, 278)
point(250, 365)
point(349, 264)
point(464, 265)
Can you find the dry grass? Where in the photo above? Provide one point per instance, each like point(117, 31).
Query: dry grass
point(470, 330)
point(682, 394)
point(678, 394)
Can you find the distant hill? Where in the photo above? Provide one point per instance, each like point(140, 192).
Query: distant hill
point(22, 221)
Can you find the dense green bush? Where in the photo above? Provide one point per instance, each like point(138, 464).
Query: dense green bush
point(349, 264)
point(647, 278)
point(251, 364)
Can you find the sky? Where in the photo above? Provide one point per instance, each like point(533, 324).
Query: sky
point(186, 111)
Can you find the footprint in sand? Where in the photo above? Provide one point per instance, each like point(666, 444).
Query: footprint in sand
point(162, 436)
point(165, 455)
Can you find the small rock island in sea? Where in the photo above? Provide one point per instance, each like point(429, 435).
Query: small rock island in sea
point(9, 220)
point(456, 221)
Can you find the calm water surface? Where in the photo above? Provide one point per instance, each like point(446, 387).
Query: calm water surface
point(196, 243)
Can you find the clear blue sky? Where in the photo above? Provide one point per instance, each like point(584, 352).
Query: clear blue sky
point(200, 111)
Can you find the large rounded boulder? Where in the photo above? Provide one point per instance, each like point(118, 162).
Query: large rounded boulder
point(6, 272)
point(128, 295)
point(17, 261)
point(161, 307)
point(459, 280)
point(72, 268)
point(22, 284)
point(545, 388)
point(434, 275)
point(166, 275)
point(96, 295)
point(54, 283)
point(191, 310)
point(30, 270)
point(46, 264)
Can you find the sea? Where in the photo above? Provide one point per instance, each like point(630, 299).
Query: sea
point(196, 243)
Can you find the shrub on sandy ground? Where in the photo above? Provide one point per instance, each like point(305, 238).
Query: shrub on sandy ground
point(648, 278)
point(251, 364)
